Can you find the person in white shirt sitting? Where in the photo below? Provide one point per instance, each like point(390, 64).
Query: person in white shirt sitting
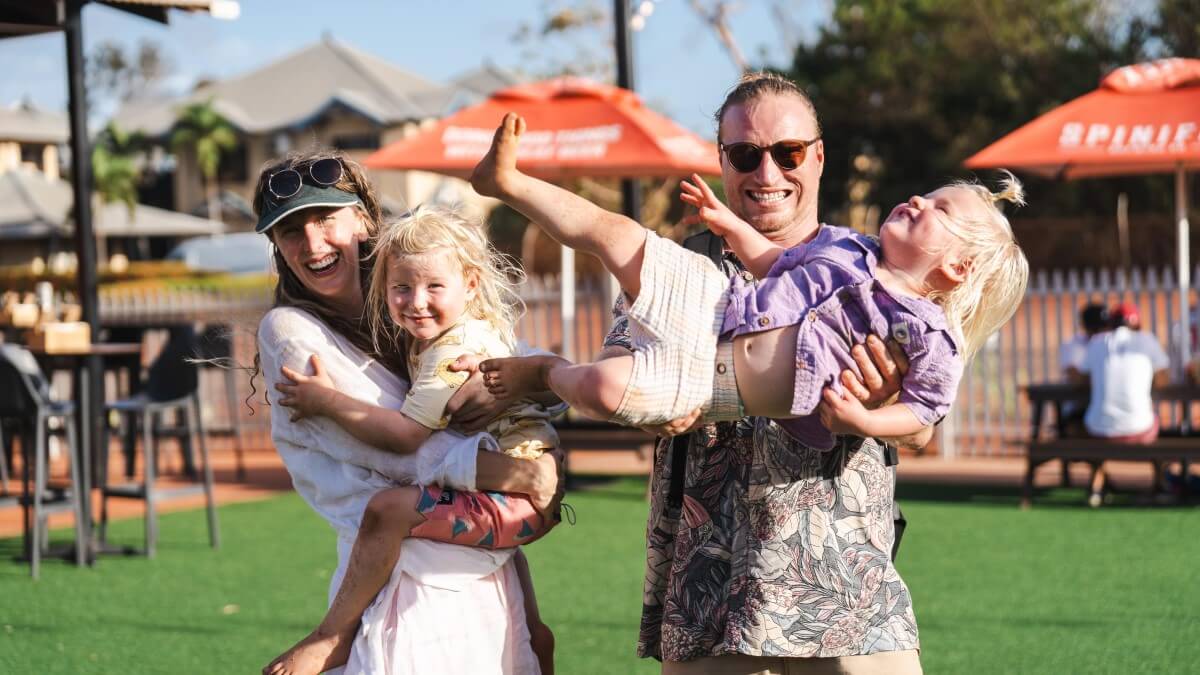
point(1122, 365)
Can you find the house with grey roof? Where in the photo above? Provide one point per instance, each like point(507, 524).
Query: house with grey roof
point(30, 138)
point(36, 221)
point(328, 94)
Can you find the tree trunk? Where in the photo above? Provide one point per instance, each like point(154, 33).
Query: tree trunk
point(210, 197)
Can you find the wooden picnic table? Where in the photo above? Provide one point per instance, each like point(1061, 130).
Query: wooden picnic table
point(1181, 444)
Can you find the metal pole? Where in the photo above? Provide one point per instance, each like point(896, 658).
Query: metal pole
point(92, 392)
point(81, 166)
point(631, 190)
point(631, 194)
point(1182, 234)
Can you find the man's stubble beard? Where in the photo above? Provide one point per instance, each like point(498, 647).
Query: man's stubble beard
point(789, 233)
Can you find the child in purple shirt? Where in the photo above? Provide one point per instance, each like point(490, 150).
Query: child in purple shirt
point(945, 275)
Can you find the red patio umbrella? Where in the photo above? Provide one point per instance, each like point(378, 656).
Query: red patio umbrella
point(574, 128)
point(1144, 118)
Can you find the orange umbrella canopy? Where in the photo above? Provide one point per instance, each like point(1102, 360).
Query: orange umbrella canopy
point(575, 127)
point(1144, 118)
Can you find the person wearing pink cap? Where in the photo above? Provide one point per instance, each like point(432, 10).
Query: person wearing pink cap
point(1122, 365)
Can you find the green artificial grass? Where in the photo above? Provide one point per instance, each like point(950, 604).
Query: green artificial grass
point(1057, 589)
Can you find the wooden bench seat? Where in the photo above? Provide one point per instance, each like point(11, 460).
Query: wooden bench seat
point(1165, 449)
point(601, 448)
point(1170, 448)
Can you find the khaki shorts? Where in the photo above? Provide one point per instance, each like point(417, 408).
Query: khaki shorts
point(674, 324)
point(907, 662)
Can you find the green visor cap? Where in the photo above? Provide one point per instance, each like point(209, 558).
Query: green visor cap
point(308, 197)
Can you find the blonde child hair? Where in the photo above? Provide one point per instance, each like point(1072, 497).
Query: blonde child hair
point(997, 271)
point(430, 228)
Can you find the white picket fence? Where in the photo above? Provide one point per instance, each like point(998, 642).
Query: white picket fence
point(990, 418)
point(992, 415)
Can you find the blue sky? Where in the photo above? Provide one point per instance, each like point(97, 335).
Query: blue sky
point(681, 69)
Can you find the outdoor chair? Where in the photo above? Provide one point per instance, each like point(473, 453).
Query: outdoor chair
point(4, 462)
point(171, 387)
point(25, 400)
point(214, 351)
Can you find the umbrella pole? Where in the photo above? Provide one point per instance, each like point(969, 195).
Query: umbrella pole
point(91, 379)
point(1182, 236)
point(567, 297)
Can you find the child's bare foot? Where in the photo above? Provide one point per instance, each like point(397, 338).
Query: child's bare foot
point(313, 655)
point(518, 376)
point(492, 173)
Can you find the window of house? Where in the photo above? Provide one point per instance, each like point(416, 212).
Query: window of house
point(232, 168)
point(363, 141)
point(32, 154)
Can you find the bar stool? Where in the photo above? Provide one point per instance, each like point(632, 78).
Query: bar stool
point(214, 350)
point(26, 400)
point(171, 386)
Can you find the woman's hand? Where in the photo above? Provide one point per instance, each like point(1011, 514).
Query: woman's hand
point(306, 395)
point(882, 365)
point(550, 485)
point(472, 407)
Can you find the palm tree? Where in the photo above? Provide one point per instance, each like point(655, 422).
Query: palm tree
point(202, 130)
point(114, 166)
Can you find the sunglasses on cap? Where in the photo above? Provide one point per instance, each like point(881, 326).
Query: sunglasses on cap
point(746, 157)
point(286, 183)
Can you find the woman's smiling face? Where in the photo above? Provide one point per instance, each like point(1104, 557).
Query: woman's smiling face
point(320, 247)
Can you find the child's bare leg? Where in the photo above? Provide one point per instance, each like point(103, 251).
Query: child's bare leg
point(594, 389)
point(568, 218)
point(388, 519)
point(541, 638)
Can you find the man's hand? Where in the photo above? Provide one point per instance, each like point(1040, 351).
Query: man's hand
point(472, 407)
point(882, 365)
point(676, 427)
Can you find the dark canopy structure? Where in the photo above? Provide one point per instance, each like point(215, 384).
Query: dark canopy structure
point(28, 17)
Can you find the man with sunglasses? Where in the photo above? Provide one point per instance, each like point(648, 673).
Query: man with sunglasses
point(764, 555)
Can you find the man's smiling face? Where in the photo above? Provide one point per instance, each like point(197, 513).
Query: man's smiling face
point(780, 204)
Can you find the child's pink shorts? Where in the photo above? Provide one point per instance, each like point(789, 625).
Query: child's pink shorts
point(482, 519)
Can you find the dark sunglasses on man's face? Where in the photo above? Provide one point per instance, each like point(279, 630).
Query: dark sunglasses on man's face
point(746, 157)
point(286, 183)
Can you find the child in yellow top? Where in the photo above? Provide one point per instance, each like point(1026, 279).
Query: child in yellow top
point(522, 431)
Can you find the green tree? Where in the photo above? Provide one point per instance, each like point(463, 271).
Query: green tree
point(1178, 27)
point(923, 84)
point(114, 166)
point(204, 133)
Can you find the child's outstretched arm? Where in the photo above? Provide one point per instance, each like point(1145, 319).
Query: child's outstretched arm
point(842, 413)
point(755, 251)
point(314, 395)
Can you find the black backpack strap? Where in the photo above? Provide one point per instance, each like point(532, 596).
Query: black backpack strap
point(712, 247)
point(891, 458)
point(679, 452)
point(708, 245)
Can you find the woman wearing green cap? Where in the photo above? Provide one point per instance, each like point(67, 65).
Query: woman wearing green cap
point(319, 210)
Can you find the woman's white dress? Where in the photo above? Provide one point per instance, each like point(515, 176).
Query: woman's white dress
point(446, 608)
